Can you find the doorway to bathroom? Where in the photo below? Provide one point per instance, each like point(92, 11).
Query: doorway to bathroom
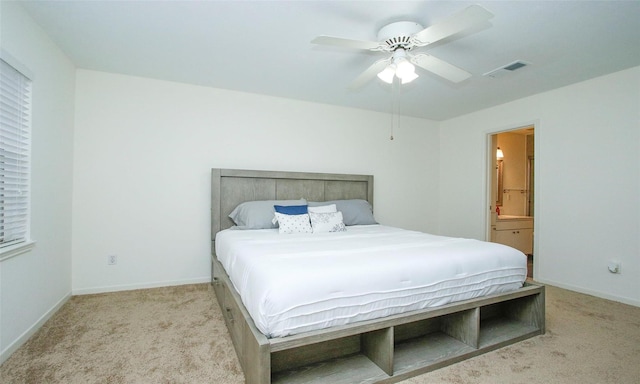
point(511, 197)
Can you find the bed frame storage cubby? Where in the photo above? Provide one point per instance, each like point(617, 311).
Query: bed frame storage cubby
point(385, 350)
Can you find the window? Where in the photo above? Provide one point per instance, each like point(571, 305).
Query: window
point(15, 143)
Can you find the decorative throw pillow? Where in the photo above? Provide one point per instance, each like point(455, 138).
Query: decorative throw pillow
point(291, 209)
point(323, 209)
point(258, 214)
point(293, 223)
point(327, 222)
point(354, 212)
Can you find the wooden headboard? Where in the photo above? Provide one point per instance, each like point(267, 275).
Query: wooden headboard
point(230, 187)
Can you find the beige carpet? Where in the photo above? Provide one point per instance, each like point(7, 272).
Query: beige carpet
point(177, 335)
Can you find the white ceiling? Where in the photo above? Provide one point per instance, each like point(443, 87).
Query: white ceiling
point(264, 47)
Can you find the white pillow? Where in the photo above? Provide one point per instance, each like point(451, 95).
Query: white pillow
point(293, 223)
point(327, 222)
point(323, 209)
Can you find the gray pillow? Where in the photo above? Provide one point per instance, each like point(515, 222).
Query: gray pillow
point(354, 212)
point(259, 214)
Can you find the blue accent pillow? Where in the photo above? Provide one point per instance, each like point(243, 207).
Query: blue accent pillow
point(291, 209)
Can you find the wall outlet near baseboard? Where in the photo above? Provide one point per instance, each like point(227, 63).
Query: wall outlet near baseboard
point(112, 260)
point(614, 266)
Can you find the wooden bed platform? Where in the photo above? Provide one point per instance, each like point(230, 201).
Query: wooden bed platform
point(385, 350)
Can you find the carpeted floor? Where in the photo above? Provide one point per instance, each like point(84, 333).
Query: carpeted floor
point(177, 335)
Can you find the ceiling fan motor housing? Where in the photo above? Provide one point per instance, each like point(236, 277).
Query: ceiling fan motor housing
point(398, 35)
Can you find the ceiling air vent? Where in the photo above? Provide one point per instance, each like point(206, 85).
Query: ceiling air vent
point(505, 69)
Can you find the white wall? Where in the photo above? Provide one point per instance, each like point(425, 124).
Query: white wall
point(33, 285)
point(144, 149)
point(587, 205)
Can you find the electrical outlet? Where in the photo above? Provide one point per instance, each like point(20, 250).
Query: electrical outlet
point(614, 266)
point(112, 260)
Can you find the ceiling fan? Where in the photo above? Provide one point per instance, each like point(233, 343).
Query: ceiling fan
point(400, 38)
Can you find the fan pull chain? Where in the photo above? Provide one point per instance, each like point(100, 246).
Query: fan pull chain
point(395, 105)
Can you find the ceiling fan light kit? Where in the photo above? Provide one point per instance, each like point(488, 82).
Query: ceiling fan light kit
point(406, 71)
point(403, 36)
point(387, 74)
point(400, 67)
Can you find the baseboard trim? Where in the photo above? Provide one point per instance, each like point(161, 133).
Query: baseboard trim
point(7, 352)
point(131, 287)
point(586, 291)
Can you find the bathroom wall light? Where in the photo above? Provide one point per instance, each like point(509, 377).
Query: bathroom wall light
point(499, 154)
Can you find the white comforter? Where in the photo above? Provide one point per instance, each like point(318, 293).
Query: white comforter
point(302, 282)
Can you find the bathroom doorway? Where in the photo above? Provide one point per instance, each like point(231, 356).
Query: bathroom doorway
point(511, 195)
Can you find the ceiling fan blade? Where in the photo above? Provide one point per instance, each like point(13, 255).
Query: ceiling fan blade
point(347, 43)
point(458, 22)
point(369, 73)
point(440, 67)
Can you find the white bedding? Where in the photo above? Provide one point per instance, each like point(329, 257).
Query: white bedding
point(302, 282)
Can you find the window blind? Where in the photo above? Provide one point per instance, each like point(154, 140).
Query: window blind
point(15, 143)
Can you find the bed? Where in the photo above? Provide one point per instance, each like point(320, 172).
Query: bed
point(372, 343)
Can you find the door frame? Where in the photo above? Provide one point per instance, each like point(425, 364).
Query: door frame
point(490, 165)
